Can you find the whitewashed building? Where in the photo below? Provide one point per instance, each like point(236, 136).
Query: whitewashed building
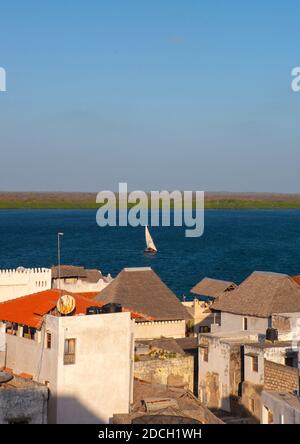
point(79, 279)
point(15, 283)
point(86, 361)
point(253, 337)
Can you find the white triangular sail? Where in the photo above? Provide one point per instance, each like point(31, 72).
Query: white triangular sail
point(149, 240)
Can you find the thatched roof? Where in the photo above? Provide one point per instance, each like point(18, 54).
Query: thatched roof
point(72, 271)
point(141, 290)
point(212, 287)
point(93, 276)
point(262, 294)
point(68, 271)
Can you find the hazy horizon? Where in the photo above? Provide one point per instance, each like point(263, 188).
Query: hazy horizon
point(148, 191)
point(161, 95)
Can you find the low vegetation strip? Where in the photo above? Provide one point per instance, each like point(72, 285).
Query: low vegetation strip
point(30, 200)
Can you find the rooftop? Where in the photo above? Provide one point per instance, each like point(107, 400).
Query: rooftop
point(21, 381)
point(288, 398)
point(233, 337)
point(30, 310)
point(167, 344)
point(269, 344)
point(154, 402)
point(212, 287)
point(262, 294)
point(188, 344)
point(141, 290)
point(72, 271)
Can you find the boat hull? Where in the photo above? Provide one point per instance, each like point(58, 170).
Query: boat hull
point(150, 251)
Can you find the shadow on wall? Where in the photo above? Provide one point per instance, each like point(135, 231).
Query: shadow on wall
point(239, 413)
point(69, 410)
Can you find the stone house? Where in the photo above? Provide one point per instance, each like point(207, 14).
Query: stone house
point(262, 301)
point(220, 369)
point(251, 305)
point(268, 366)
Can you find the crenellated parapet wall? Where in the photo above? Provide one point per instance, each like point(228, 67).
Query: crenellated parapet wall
point(19, 282)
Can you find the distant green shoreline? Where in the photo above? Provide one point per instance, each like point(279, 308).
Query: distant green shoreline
point(209, 204)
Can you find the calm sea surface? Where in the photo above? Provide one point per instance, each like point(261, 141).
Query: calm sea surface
point(235, 243)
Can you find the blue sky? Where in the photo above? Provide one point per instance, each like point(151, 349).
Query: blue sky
point(160, 94)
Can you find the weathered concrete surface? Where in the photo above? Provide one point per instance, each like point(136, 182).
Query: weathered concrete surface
point(251, 399)
point(187, 407)
point(214, 374)
point(213, 389)
point(177, 371)
point(24, 404)
point(281, 323)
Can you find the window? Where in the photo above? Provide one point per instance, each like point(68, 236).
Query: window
point(71, 280)
point(245, 324)
point(217, 318)
point(69, 352)
point(204, 329)
point(204, 354)
point(26, 333)
point(48, 339)
point(254, 363)
point(289, 361)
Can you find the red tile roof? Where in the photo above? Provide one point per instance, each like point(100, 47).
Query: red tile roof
point(6, 369)
point(89, 294)
point(296, 279)
point(25, 375)
point(29, 310)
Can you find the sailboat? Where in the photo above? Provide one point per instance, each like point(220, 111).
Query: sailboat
point(151, 248)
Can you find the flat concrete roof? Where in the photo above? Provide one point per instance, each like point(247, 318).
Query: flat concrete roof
point(269, 344)
point(19, 382)
point(240, 337)
point(288, 398)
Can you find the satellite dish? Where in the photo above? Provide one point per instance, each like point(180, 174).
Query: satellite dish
point(5, 377)
point(66, 304)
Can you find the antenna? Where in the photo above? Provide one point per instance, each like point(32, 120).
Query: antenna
point(58, 256)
